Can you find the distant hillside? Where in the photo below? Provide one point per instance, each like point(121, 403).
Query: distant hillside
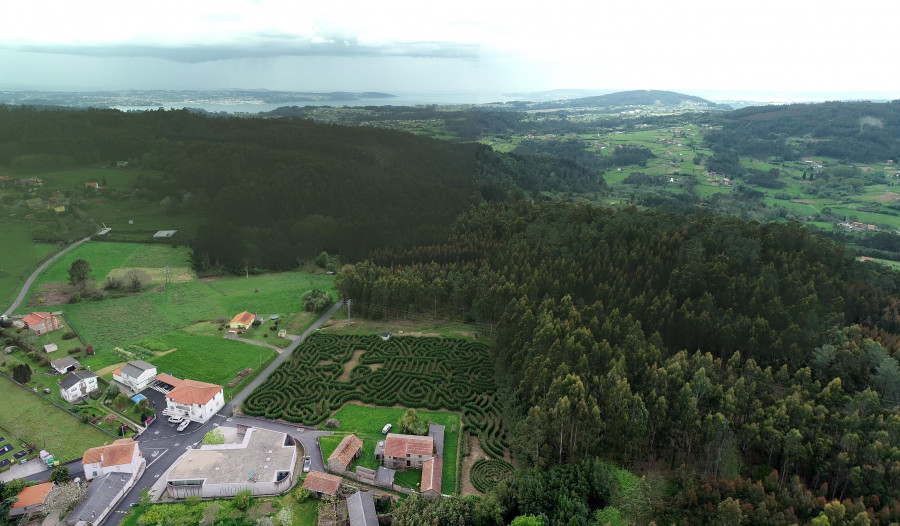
point(850, 131)
point(649, 98)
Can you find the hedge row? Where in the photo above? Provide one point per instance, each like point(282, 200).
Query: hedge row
point(434, 373)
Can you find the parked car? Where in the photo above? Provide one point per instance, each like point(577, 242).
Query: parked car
point(184, 425)
point(306, 464)
point(386, 429)
point(175, 419)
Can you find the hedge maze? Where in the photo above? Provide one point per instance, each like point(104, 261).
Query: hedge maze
point(487, 473)
point(431, 373)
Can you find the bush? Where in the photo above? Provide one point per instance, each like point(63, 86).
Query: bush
point(333, 422)
point(243, 499)
point(68, 335)
point(74, 350)
point(89, 349)
point(193, 500)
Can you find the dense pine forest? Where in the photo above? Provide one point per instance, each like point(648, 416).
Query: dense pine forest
point(757, 364)
point(748, 371)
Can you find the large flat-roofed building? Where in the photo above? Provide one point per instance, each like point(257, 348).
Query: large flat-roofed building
point(257, 459)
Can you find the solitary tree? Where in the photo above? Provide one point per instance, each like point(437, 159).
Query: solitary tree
point(412, 424)
point(79, 272)
point(22, 373)
point(315, 300)
point(60, 474)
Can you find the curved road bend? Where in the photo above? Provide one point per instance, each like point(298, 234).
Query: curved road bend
point(34, 275)
point(172, 446)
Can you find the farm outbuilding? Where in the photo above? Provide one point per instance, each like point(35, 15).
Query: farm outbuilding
point(321, 484)
point(347, 451)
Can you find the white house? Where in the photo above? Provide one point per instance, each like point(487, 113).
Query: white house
point(136, 375)
point(122, 456)
point(197, 401)
point(77, 385)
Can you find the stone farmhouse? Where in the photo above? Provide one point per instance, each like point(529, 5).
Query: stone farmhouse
point(41, 322)
point(347, 451)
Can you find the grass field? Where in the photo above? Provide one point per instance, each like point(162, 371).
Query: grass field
point(207, 358)
point(367, 422)
point(18, 258)
point(32, 419)
point(106, 258)
point(118, 322)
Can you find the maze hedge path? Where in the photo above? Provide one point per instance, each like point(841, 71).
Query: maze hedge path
point(434, 373)
point(487, 473)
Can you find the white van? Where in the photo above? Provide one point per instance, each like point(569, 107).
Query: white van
point(386, 429)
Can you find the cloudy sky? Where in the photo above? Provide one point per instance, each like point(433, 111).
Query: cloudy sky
point(737, 48)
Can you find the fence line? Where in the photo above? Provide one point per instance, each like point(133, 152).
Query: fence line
point(33, 391)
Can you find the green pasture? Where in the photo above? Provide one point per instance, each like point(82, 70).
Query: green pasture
point(29, 418)
point(65, 180)
point(367, 423)
point(873, 218)
point(208, 358)
point(19, 257)
point(107, 257)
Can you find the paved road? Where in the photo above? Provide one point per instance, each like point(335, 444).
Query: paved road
point(34, 275)
point(162, 445)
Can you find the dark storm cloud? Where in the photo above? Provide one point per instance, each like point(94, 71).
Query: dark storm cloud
point(260, 45)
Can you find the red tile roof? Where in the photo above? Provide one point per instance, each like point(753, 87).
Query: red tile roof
point(116, 454)
point(346, 450)
point(398, 446)
point(189, 392)
point(244, 318)
point(33, 495)
point(431, 474)
point(37, 317)
point(322, 482)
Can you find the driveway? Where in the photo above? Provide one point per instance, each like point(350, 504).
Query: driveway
point(34, 275)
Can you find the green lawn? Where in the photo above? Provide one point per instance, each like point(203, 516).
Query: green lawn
point(30, 418)
point(367, 422)
point(210, 359)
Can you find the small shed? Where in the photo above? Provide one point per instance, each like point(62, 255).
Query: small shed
point(64, 365)
point(50, 347)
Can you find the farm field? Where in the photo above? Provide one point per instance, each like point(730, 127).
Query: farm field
point(206, 358)
point(328, 370)
point(124, 320)
point(33, 419)
point(116, 258)
point(18, 258)
point(367, 422)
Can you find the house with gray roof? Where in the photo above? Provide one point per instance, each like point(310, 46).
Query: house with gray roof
point(77, 385)
point(361, 508)
point(136, 375)
point(101, 498)
point(64, 365)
